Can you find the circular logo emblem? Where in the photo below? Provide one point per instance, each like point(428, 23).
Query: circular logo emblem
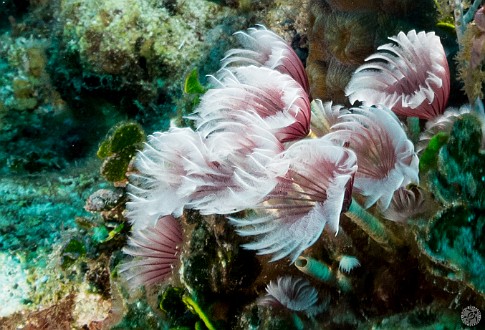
point(471, 316)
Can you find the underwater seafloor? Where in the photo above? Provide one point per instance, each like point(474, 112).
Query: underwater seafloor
point(83, 84)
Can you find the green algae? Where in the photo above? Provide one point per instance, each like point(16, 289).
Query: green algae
point(118, 148)
point(175, 309)
point(429, 157)
point(123, 135)
point(192, 83)
point(71, 252)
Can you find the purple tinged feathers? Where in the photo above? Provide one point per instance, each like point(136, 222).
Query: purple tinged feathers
point(263, 47)
point(385, 156)
point(222, 171)
point(309, 196)
point(411, 76)
point(155, 252)
point(294, 294)
point(277, 98)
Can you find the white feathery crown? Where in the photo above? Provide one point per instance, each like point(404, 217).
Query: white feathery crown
point(310, 196)
point(410, 77)
point(385, 156)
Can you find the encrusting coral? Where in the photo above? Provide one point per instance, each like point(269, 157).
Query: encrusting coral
point(347, 36)
point(470, 58)
point(352, 6)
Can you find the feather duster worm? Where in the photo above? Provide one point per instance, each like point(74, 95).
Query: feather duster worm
point(160, 188)
point(324, 116)
point(294, 294)
point(246, 156)
point(442, 123)
point(311, 194)
point(385, 156)
point(274, 96)
point(405, 204)
point(264, 48)
point(411, 77)
point(155, 250)
point(226, 170)
point(315, 268)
